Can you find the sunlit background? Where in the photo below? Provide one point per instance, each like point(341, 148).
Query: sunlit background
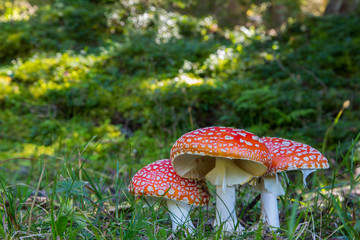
point(119, 81)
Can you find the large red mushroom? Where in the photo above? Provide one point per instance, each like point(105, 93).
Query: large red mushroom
point(226, 157)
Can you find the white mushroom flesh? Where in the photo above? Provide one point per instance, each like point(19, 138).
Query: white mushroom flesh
point(306, 172)
point(179, 214)
point(225, 176)
point(227, 173)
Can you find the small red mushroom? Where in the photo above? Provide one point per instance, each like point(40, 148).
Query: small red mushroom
point(286, 155)
point(224, 156)
point(159, 180)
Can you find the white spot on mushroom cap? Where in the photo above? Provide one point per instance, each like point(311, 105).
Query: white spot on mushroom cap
point(242, 134)
point(256, 138)
point(286, 143)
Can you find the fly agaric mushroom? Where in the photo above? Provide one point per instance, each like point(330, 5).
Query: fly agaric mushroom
point(159, 180)
point(224, 156)
point(286, 155)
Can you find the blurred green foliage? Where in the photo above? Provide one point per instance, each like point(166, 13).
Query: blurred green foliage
point(138, 76)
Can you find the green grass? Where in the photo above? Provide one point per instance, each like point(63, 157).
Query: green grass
point(79, 202)
point(90, 93)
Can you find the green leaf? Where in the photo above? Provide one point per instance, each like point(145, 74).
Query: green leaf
point(70, 186)
point(61, 225)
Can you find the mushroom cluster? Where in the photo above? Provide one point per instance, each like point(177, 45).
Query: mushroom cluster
point(225, 157)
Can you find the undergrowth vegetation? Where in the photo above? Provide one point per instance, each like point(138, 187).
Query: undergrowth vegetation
point(91, 91)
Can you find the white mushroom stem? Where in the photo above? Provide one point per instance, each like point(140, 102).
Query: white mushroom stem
point(225, 176)
point(225, 209)
point(270, 188)
point(179, 214)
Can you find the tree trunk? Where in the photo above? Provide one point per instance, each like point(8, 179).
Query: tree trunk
point(278, 14)
point(341, 7)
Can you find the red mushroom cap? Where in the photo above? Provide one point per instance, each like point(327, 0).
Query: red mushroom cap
point(203, 145)
point(159, 179)
point(290, 155)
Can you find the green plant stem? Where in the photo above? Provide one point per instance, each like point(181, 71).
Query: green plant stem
point(35, 195)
